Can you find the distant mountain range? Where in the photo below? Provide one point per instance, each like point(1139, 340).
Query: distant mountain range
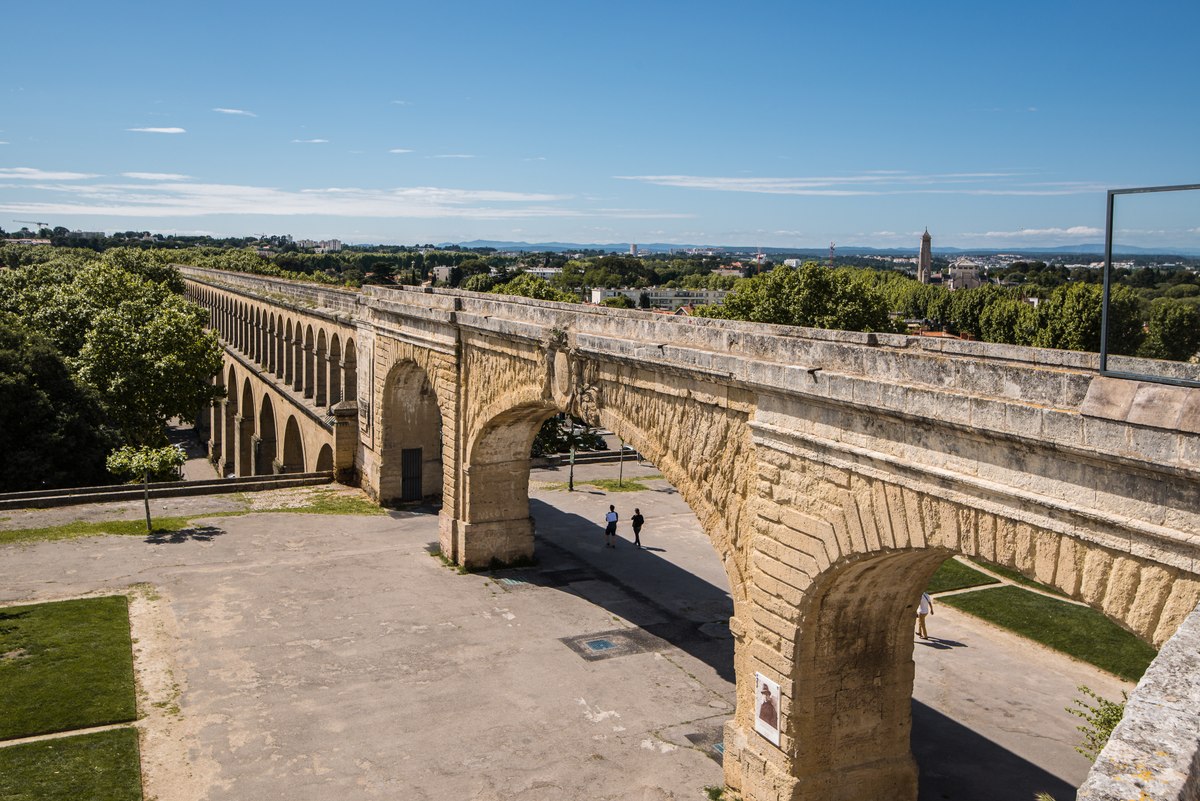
point(844, 250)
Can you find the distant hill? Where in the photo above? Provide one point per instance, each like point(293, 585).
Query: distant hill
point(1090, 249)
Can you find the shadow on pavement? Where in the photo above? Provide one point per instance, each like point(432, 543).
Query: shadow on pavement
point(957, 764)
point(197, 534)
point(670, 603)
point(940, 644)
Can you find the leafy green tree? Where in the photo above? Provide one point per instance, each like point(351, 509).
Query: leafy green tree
point(143, 463)
point(811, 296)
point(1069, 318)
point(52, 428)
point(530, 286)
point(1008, 320)
point(480, 282)
point(1173, 331)
point(618, 302)
point(151, 359)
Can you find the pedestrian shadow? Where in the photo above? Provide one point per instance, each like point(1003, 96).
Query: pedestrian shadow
point(675, 607)
point(194, 534)
point(941, 645)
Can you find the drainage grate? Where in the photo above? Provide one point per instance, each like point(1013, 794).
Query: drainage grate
point(513, 582)
point(600, 645)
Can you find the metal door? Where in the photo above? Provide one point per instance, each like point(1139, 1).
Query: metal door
point(410, 474)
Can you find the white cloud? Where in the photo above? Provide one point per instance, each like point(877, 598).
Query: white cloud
point(3, 143)
point(875, 182)
point(158, 130)
point(1074, 230)
point(170, 198)
point(401, 103)
point(235, 111)
point(156, 176)
point(400, 150)
point(310, 141)
point(453, 156)
point(31, 174)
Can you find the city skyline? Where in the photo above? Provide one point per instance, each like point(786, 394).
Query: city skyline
point(780, 125)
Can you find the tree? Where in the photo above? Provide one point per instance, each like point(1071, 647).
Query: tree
point(1069, 319)
point(530, 286)
point(1173, 331)
point(618, 302)
point(151, 360)
point(811, 296)
point(52, 428)
point(142, 463)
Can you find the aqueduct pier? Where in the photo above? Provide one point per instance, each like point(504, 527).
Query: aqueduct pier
point(832, 472)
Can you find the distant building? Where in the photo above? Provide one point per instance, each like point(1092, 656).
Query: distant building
point(85, 235)
point(663, 297)
point(963, 274)
point(792, 262)
point(633, 250)
point(925, 260)
point(545, 273)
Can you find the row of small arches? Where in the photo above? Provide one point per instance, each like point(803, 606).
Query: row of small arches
point(322, 366)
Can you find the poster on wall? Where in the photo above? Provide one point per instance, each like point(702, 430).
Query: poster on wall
point(766, 708)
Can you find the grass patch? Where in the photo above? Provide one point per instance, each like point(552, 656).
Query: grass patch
point(65, 665)
point(1017, 578)
point(329, 502)
point(1074, 630)
point(954, 575)
point(606, 484)
point(102, 766)
point(71, 531)
point(325, 502)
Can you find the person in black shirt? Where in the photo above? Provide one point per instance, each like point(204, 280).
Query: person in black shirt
point(637, 521)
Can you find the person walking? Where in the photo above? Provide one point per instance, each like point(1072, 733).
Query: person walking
point(638, 521)
point(925, 607)
point(610, 527)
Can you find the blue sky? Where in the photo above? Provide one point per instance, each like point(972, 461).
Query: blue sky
point(754, 123)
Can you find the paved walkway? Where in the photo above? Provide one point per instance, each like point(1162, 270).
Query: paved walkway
point(319, 657)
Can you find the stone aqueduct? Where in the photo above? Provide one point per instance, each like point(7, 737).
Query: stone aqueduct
point(833, 472)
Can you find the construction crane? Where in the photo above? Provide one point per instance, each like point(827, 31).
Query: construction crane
point(34, 222)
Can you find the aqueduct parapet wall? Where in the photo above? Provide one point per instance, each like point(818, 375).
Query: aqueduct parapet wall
point(832, 471)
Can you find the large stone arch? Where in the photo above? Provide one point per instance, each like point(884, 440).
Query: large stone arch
point(265, 444)
point(293, 447)
point(350, 372)
point(838, 562)
point(228, 465)
point(216, 426)
point(308, 380)
point(335, 369)
point(321, 365)
point(411, 420)
point(245, 435)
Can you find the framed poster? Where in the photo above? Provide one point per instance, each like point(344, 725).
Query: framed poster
point(766, 708)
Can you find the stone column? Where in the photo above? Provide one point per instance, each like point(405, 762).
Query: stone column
point(345, 442)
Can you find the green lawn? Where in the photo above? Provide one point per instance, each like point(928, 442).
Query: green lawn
point(90, 767)
point(1017, 578)
point(1078, 631)
point(65, 665)
point(954, 575)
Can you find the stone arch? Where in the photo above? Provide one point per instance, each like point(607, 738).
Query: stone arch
point(325, 459)
point(228, 464)
point(298, 356)
point(265, 444)
point(270, 362)
point(245, 433)
point(411, 459)
point(335, 369)
point(321, 363)
point(838, 565)
point(289, 356)
point(350, 372)
point(309, 355)
point(216, 426)
point(293, 447)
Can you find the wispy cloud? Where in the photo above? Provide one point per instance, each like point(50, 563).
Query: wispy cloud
point(1027, 233)
point(3, 142)
point(172, 198)
point(400, 150)
point(310, 141)
point(156, 176)
point(31, 174)
point(453, 156)
point(401, 103)
point(158, 130)
point(875, 182)
point(238, 112)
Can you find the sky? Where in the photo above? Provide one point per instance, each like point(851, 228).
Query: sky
point(776, 124)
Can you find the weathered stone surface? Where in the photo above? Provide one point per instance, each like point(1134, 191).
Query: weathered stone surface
point(831, 471)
